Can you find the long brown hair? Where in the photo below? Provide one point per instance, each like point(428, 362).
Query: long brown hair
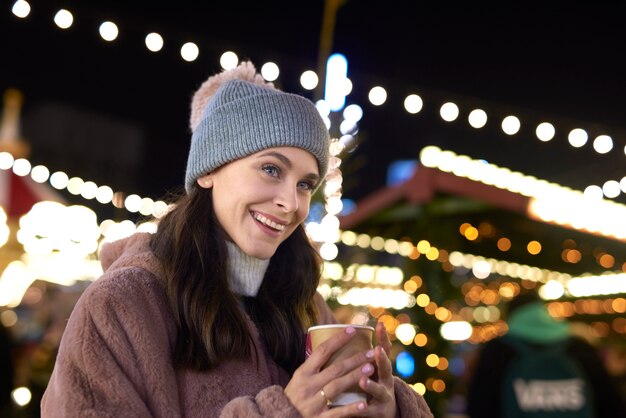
point(191, 246)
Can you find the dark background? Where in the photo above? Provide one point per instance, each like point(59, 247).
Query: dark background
point(117, 114)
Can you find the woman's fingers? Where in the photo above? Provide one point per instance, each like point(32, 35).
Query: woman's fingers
point(346, 382)
point(383, 365)
point(347, 365)
point(324, 351)
point(381, 389)
point(357, 409)
point(312, 384)
point(385, 376)
point(382, 337)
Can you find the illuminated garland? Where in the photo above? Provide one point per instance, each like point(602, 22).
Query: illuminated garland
point(413, 103)
point(377, 96)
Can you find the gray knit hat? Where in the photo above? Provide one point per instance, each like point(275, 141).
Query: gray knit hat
point(244, 117)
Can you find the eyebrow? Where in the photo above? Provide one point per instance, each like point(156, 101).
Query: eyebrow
point(288, 163)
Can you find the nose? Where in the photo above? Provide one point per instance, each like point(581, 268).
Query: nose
point(287, 198)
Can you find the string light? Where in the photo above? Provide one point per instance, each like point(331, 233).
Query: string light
point(21, 9)
point(63, 19)
point(154, 42)
point(378, 95)
point(549, 202)
point(270, 71)
point(229, 60)
point(79, 187)
point(108, 31)
point(189, 51)
point(309, 80)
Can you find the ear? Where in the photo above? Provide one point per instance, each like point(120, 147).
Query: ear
point(206, 181)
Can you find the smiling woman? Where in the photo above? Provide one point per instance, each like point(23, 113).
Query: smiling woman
point(208, 316)
point(261, 199)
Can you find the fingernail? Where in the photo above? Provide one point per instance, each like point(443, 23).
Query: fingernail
point(361, 406)
point(370, 354)
point(350, 330)
point(367, 368)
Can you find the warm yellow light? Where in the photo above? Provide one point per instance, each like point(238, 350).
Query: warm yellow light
point(422, 300)
point(432, 254)
point(471, 233)
point(419, 388)
point(420, 340)
point(504, 244)
point(534, 247)
point(8, 318)
point(405, 333)
point(432, 360)
point(418, 281)
point(410, 286)
point(377, 243)
point(423, 246)
point(443, 363)
point(606, 260)
point(439, 385)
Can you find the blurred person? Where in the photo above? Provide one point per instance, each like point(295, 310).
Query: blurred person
point(208, 316)
point(6, 371)
point(495, 391)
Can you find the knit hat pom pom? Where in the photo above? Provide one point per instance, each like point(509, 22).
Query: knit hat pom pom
point(244, 71)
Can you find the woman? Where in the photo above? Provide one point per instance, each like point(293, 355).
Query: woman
point(208, 316)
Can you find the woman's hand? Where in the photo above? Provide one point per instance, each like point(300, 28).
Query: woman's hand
point(383, 402)
point(311, 388)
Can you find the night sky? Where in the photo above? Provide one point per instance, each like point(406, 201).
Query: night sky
point(117, 114)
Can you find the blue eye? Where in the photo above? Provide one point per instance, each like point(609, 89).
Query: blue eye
point(306, 185)
point(272, 170)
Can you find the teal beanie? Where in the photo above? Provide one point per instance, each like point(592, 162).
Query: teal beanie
point(244, 117)
point(532, 322)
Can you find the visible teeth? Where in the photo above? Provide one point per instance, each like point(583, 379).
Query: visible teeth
point(268, 222)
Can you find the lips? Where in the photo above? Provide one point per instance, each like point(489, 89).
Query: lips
point(268, 222)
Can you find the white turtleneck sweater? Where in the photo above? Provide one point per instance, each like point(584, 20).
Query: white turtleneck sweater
point(245, 273)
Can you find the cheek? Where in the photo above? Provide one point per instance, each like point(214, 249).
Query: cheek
point(303, 209)
point(222, 205)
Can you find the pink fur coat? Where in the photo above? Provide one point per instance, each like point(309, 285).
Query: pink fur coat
point(115, 356)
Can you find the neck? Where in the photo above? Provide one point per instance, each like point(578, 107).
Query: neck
point(245, 273)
